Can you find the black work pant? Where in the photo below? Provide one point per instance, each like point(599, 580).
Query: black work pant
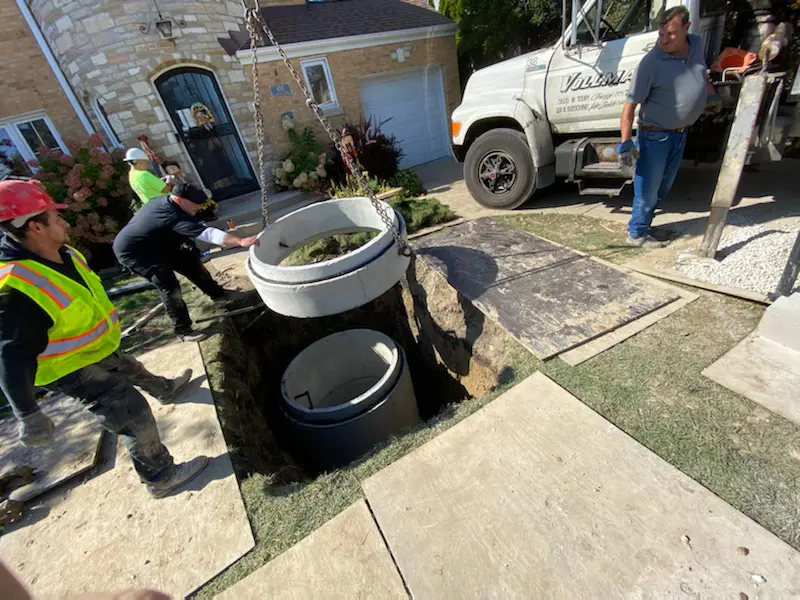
point(106, 390)
point(186, 262)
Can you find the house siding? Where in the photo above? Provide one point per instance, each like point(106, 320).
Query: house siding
point(348, 68)
point(27, 83)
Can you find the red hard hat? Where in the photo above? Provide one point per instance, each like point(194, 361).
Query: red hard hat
point(20, 200)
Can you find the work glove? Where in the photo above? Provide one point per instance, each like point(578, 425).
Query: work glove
point(714, 104)
point(36, 429)
point(627, 153)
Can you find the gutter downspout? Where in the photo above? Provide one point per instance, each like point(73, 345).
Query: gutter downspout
point(51, 60)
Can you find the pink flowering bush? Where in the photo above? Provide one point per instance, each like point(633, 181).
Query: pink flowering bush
point(93, 183)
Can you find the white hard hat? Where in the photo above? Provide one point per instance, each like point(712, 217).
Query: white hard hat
point(135, 154)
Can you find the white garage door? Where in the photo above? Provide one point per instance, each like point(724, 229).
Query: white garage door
point(414, 103)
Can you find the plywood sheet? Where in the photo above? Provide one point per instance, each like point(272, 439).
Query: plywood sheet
point(345, 558)
point(764, 372)
point(537, 496)
point(109, 534)
point(74, 450)
point(548, 297)
point(597, 346)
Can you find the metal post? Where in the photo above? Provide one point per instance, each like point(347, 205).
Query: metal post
point(789, 277)
point(730, 173)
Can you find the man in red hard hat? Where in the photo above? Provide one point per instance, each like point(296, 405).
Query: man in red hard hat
point(59, 330)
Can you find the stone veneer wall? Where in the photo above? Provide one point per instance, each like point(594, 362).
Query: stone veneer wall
point(104, 54)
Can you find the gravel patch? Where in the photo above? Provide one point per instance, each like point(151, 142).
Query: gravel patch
point(751, 257)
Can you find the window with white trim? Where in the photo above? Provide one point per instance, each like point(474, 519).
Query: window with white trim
point(320, 82)
point(21, 139)
point(102, 117)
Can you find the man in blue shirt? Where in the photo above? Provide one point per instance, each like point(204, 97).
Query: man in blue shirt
point(671, 87)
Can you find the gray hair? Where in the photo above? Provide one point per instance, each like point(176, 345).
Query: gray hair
point(675, 11)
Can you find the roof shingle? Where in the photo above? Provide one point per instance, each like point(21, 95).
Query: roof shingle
point(342, 18)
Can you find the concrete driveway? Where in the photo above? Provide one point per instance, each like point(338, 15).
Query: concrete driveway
point(770, 195)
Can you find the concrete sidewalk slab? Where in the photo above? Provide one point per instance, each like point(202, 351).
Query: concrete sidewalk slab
point(108, 534)
point(78, 435)
point(762, 371)
point(538, 496)
point(345, 558)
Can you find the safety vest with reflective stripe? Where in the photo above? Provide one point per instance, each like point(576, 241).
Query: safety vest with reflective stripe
point(85, 323)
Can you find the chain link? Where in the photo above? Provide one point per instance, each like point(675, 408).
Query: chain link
point(258, 28)
point(255, 41)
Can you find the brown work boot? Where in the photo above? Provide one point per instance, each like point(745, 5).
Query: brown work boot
point(176, 387)
point(178, 475)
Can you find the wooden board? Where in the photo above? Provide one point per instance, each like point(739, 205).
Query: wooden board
point(662, 266)
point(345, 558)
point(537, 496)
point(548, 297)
point(764, 372)
point(73, 452)
point(108, 534)
point(605, 342)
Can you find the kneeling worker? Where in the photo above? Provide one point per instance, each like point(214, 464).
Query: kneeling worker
point(157, 243)
point(59, 330)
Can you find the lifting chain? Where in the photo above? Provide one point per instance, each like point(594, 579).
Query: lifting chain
point(258, 29)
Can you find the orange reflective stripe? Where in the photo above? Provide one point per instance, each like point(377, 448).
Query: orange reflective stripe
point(31, 277)
point(76, 257)
point(114, 316)
point(65, 345)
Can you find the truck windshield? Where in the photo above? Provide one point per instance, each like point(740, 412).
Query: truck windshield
point(620, 18)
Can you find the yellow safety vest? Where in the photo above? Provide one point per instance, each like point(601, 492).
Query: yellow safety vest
point(85, 323)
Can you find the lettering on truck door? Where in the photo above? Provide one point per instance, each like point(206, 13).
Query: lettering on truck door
point(587, 82)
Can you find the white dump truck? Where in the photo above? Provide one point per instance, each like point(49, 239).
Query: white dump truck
point(554, 113)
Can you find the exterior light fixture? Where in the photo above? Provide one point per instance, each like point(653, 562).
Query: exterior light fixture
point(163, 24)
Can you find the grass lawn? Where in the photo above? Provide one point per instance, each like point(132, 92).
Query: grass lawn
point(650, 386)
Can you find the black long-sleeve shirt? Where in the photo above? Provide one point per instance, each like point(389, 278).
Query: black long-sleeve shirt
point(23, 331)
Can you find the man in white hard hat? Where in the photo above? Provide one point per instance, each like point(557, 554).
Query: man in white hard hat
point(146, 185)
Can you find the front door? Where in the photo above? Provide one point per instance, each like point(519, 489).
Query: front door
point(200, 115)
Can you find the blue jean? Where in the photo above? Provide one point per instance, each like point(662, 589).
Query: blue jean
point(106, 390)
point(660, 155)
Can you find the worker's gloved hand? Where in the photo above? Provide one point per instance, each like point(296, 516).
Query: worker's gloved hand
point(714, 104)
point(627, 153)
point(36, 429)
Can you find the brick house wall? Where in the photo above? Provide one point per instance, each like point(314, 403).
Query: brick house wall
point(347, 68)
point(27, 82)
point(104, 55)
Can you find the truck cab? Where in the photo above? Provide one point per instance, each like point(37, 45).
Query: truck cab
point(554, 113)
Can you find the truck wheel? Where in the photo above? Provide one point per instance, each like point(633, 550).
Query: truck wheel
point(498, 169)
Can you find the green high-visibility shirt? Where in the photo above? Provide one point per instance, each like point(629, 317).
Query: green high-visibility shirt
point(146, 185)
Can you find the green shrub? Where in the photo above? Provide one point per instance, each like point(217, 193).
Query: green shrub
point(94, 185)
point(420, 213)
point(410, 182)
point(303, 166)
point(350, 187)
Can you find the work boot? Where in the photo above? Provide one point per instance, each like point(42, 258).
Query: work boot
point(178, 475)
point(190, 335)
point(647, 242)
point(229, 295)
point(176, 387)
